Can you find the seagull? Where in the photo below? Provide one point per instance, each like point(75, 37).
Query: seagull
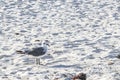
point(38, 51)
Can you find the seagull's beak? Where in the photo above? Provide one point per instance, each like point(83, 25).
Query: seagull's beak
point(48, 44)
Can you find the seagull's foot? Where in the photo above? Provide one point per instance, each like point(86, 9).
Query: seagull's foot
point(40, 64)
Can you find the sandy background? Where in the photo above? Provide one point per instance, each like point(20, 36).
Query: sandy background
point(84, 37)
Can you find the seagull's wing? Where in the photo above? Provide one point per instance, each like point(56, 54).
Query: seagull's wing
point(37, 51)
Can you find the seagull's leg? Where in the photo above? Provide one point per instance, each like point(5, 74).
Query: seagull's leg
point(39, 61)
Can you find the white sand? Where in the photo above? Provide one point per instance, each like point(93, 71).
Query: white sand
point(84, 37)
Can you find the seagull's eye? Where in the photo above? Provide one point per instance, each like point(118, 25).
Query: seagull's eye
point(40, 44)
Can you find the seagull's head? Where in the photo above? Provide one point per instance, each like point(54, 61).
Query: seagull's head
point(46, 42)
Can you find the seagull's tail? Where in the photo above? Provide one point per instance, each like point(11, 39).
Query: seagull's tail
point(20, 52)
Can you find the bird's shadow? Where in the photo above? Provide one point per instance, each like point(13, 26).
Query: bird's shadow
point(66, 66)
